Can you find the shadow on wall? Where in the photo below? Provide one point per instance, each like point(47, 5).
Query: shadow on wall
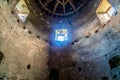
point(114, 62)
point(59, 64)
point(1, 56)
point(54, 74)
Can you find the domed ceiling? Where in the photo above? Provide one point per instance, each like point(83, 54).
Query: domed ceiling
point(60, 7)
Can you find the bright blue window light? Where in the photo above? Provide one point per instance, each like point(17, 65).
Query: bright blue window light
point(61, 35)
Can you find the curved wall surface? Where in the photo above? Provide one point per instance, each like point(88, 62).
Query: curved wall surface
point(27, 54)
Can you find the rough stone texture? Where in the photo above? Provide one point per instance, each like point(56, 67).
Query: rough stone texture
point(28, 56)
point(20, 49)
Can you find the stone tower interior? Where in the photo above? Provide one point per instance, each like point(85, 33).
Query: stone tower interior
point(59, 40)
